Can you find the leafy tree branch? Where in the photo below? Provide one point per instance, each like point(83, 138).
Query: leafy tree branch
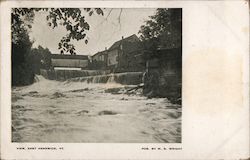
point(71, 18)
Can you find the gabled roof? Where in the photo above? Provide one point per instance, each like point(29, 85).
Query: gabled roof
point(131, 38)
point(101, 52)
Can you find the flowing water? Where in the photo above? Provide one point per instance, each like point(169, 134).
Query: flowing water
point(75, 111)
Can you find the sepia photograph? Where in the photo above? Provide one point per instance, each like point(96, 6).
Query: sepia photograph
point(124, 79)
point(96, 75)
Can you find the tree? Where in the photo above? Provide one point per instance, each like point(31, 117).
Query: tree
point(23, 68)
point(41, 59)
point(71, 18)
point(22, 73)
point(164, 29)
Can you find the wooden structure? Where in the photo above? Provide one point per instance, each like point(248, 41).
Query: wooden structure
point(69, 61)
point(99, 60)
point(126, 55)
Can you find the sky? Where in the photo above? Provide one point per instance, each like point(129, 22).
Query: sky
point(104, 30)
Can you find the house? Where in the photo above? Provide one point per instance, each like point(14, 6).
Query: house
point(69, 62)
point(126, 55)
point(99, 60)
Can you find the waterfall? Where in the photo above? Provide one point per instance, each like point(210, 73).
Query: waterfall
point(111, 79)
point(62, 75)
point(129, 78)
point(36, 78)
point(93, 76)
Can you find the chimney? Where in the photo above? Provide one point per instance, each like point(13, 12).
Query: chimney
point(122, 37)
point(105, 48)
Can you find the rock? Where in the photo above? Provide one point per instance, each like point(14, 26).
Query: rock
point(106, 112)
point(80, 90)
point(113, 90)
point(57, 95)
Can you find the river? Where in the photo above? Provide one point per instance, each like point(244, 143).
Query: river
point(52, 111)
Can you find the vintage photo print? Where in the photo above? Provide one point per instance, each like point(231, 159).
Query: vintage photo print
point(124, 79)
point(96, 75)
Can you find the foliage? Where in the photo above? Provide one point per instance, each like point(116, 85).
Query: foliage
point(27, 62)
point(164, 29)
point(71, 18)
point(22, 73)
point(41, 59)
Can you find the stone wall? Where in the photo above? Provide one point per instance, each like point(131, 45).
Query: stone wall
point(164, 74)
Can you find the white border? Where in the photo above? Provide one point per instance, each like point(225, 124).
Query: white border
point(215, 85)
